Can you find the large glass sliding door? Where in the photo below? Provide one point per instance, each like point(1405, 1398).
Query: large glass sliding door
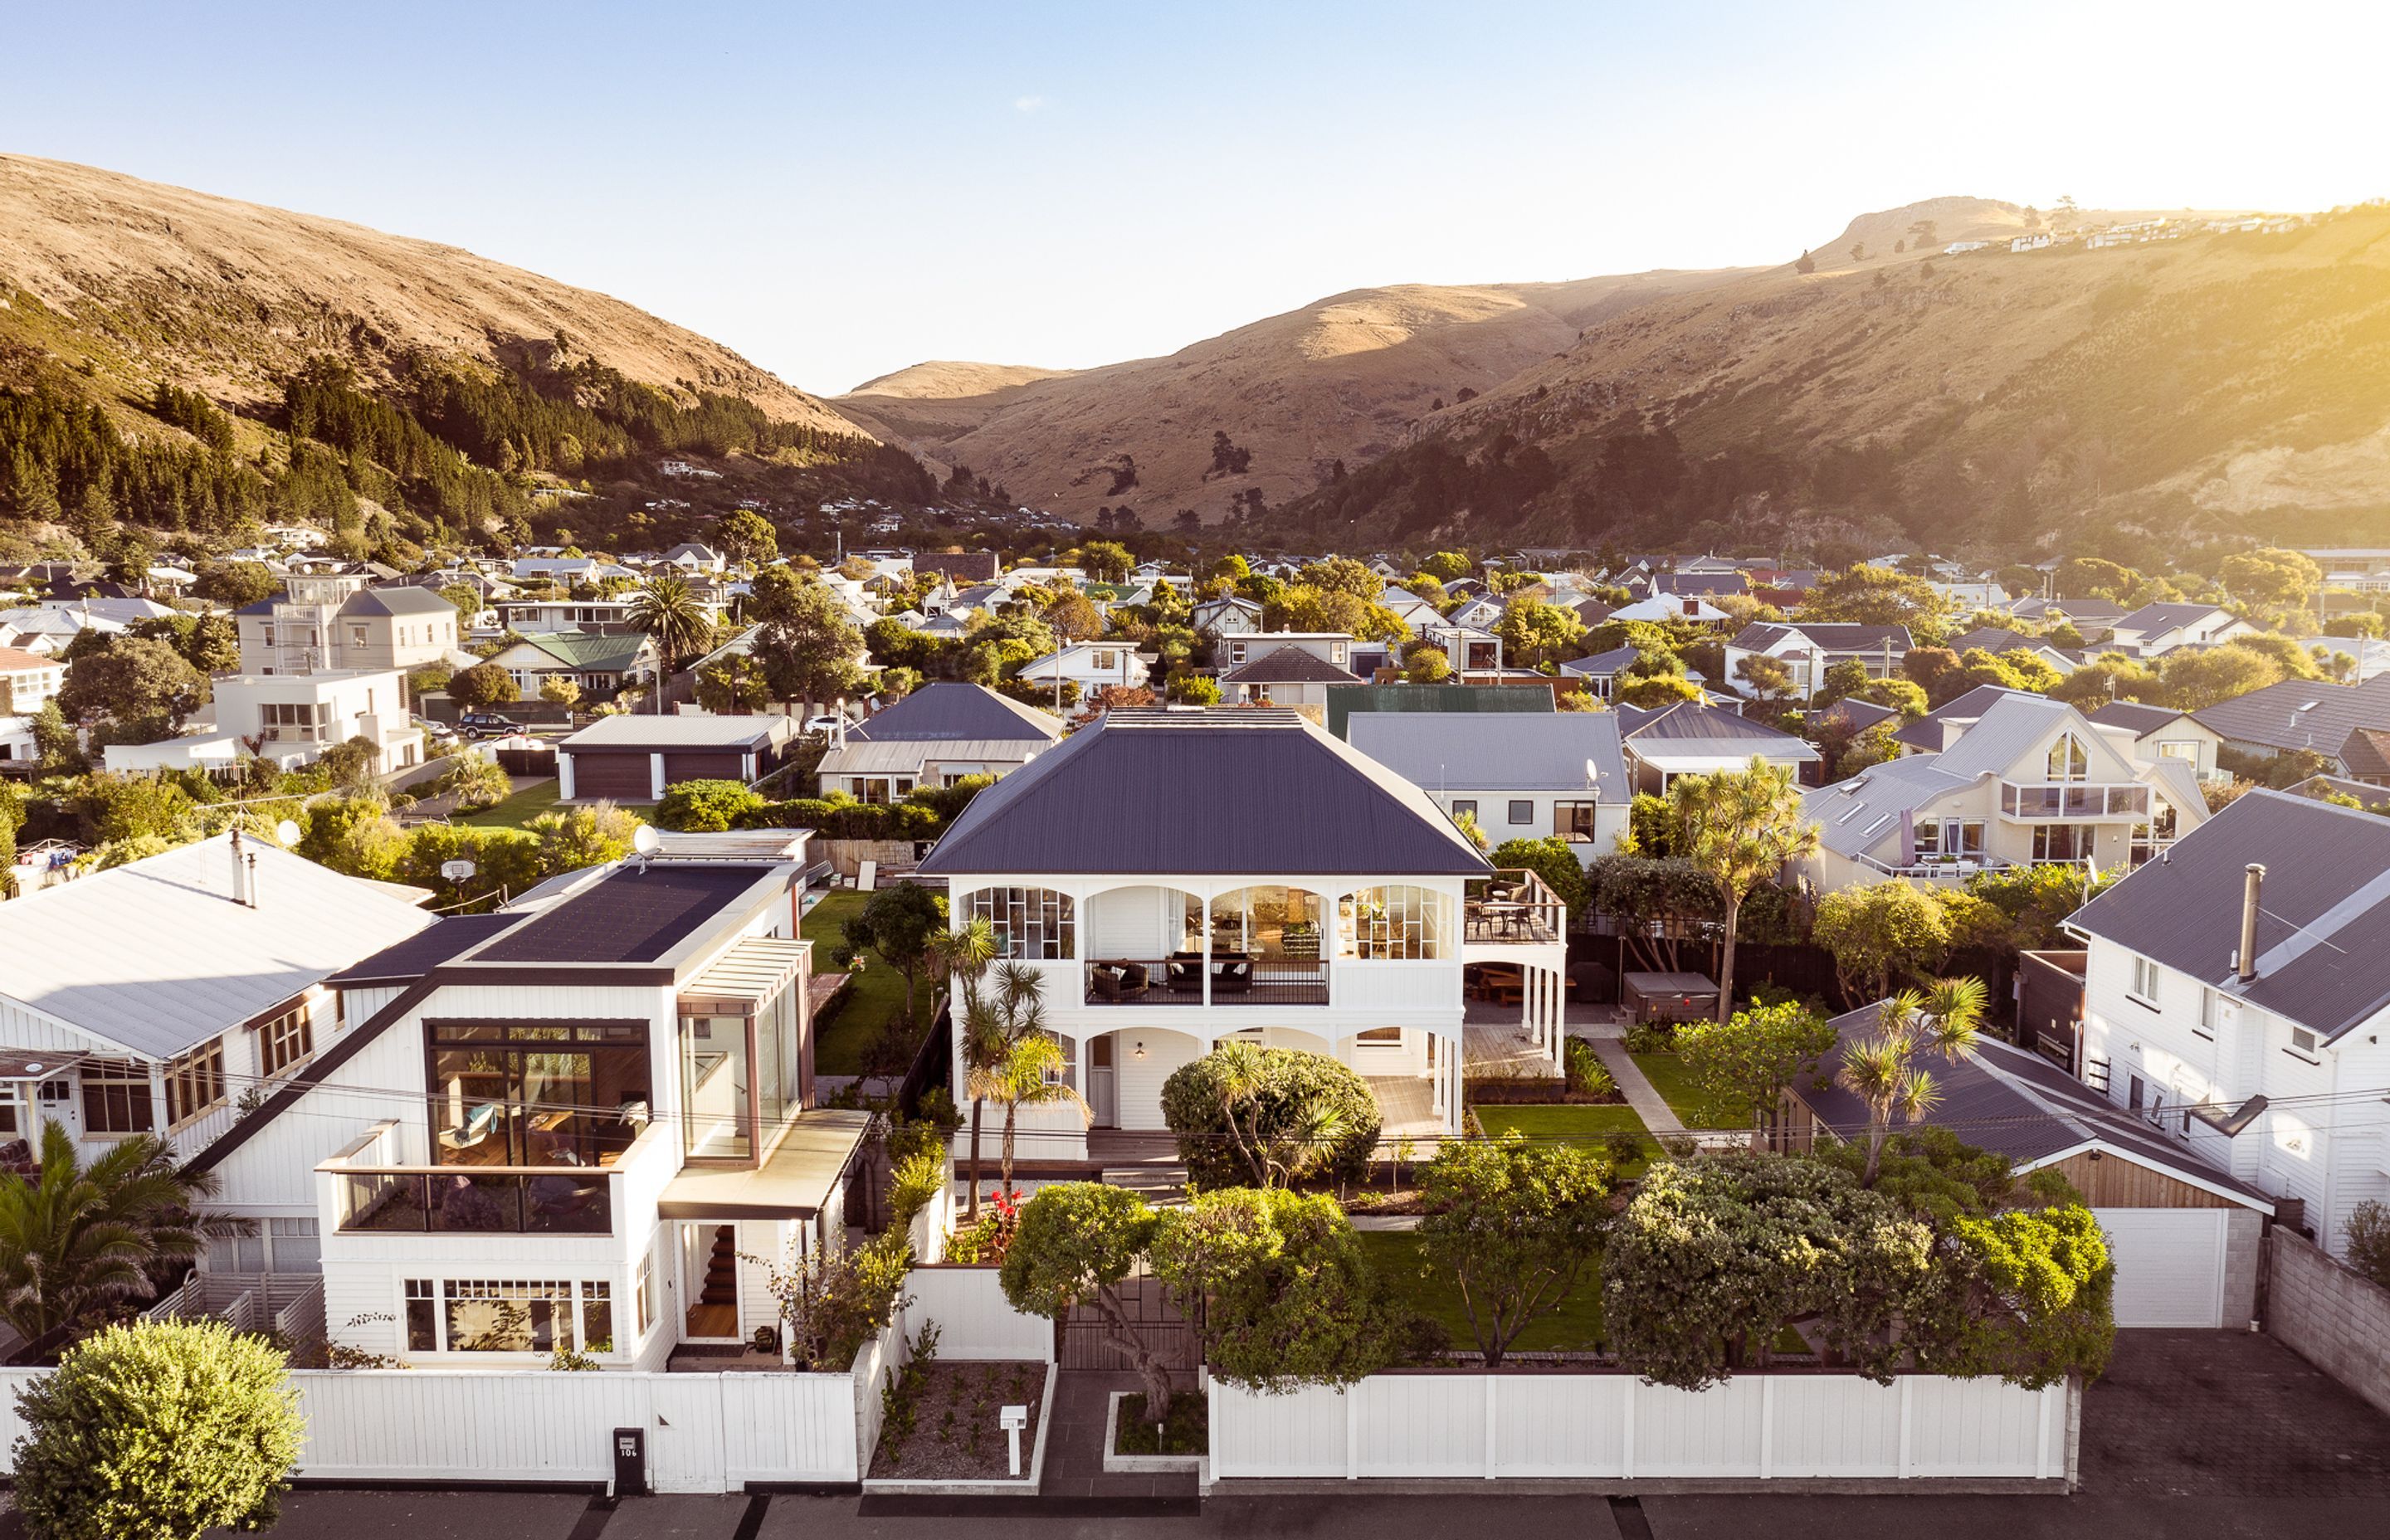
point(532, 1094)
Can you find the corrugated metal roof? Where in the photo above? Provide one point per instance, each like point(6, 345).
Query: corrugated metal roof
point(1517, 753)
point(907, 756)
point(953, 709)
point(411, 599)
point(1856, 815)
point(1228, 792)
point(2012, 1103)
point(2323, 922)
point(2010, 728)
point(2301, 713)
point(633, 731)
point(1290, 665)
point(2138, 717)
point(1926, 731)
point(156, 956)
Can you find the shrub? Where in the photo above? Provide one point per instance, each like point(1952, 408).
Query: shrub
point(163, 1428)
point(1552, 860)
point(2368, 1240)
point(918, 1178)
point(1652, 1038)
point(706, 806)
point(1295, 1092)
point(1587, 1075)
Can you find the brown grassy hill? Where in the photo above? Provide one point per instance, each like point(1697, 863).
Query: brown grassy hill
point(2219, 384)
point(142, 282)
point(1342, 379)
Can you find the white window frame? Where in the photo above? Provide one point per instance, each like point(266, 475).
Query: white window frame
point(2206, 1027)
point(2143, 990)
point(2313, 1050)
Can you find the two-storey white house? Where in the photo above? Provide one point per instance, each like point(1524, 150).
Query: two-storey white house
point(331, 621)
point(572, 1124)
point(2237, 995)
point(1809, 649)
point(1180, 878)
point(2030, 782)
point(1519, 775)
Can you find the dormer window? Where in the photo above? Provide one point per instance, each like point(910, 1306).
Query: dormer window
point(2068, 759)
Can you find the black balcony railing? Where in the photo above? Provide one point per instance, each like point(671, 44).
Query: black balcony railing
point(1236, 980)
point(480, 1200)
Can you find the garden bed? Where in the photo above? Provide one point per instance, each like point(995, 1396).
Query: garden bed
point(1129, 1440)
point(1604, 1126)
point(1522, 1090)
point(942, 1430)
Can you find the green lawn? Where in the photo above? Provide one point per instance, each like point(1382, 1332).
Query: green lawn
point(1574, 1328)
point(531, 799)
point(1689, 1101)
point(873, 996)
point(1591, 1124)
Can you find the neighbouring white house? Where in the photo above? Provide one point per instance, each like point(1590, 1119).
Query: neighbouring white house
point(2154, 630)
point(2186, 1237)
point(1683, 738)
point(1230, 614)
point(2031, 782)
point(549, 616)
point(28, 680)
point(2162, 733)
point(333, 620)
point(1329, 646)
point(168, 994)
point(48, 628)
point(1519, 775)
point(601, 664)
point(938, 734)
point(578, 1123)
point(1673, 606)
point(1808, 649)
point(1089, 665)
point(1602, 671)
point(1296, 894)
point(292, 718)
point(19, 749)
point(1470, 649)
point(1284, 675)
point(2237, 997)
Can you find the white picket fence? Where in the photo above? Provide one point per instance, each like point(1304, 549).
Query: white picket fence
point(705, 1432)
point(1755, 1427)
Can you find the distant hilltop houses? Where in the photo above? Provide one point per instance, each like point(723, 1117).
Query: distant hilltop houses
point(2136, 232)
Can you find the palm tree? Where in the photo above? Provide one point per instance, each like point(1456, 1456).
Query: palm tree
point(82, 1239)
point(1276, 1157)
point(1030, 1074)
point(669, 614)
point(1740, 828)
point(991, 1025)
point(1887, 1072)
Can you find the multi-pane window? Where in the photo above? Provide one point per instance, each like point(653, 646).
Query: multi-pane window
point(1029, 923)
point(486, 1315)
point(195, 1082)
point(286, 1039)
point(2145, 980)
point(2068, 762)
point(1574, 820)
point(302, 714)
point(116, 1096)
point(1399, 920)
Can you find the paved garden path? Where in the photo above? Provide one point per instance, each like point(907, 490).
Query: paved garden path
point(1648, 1105)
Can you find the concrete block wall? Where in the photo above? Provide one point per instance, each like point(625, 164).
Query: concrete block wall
point(2330, 1315)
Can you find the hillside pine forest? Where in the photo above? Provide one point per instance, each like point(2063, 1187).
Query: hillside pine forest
point(177, 370)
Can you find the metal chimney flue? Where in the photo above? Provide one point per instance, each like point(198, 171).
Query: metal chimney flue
point(2244, 963)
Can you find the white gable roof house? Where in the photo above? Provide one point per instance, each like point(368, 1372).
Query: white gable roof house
point(2029, 783)
point(158, 996)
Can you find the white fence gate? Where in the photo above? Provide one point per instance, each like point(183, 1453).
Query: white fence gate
point(1758, 1426)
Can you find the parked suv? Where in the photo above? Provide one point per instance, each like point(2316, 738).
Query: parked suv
point(486, 725)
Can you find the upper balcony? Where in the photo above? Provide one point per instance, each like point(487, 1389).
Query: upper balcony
point(1514, 907)
point(373, 1193)
point(2040, 802)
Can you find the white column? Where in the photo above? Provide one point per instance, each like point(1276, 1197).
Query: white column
point(655, 774)
point(564, 778)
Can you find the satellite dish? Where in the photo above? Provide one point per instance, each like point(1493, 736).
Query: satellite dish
point(1592, 772)
point(646, 841)
point(456, 871)
point(287, 831)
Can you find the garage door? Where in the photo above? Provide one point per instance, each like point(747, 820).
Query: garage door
point(624, 777)
point(704, 767)
point(2169, 1265)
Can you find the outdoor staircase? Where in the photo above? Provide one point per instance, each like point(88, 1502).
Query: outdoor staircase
point(720, 1285)
point(1159, 1184)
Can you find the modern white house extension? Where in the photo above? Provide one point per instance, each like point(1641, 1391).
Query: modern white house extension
point(572, 1124)
point(1177, 878)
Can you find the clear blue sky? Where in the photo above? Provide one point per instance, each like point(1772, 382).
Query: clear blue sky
point(837, 191)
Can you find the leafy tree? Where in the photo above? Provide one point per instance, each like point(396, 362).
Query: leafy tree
point(1900, 695)
point(574, 838)
point(1076, 1243)
point(1651, 691)
point(806, 644)
point(481, 687)
point(1751, 1058)
point(734, 684)
point(559, 690)
point(2089, 577)
point(163, 1428)
point(2111, 676)
point(2368, 1231)
point(1551, 859)
point(897, 922)
point(1740, 829)
point(81, 1240)
point(1714, 1257)
point(1427, 664)
point(1106, 561)
point(1661, 903)
point(1447, 566)
point(1876, 595)
point(1287, 1296)
point(56, 740)
point(1881, 933)
point(144, 686)
point(1769, 679)
point(1517, 1224)
point(833, 1299)
point(212, 644)
point(2197, 678)
point(747, 536)
point(233, 584)
point(350, 765)
point(1887, 1071)
point(2274, 581)
point(2035, 900)
point(706, 806)
point(1844, 678)
point(1267, 1116)
point(1535, 632)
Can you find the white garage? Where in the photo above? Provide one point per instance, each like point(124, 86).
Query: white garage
point(2171, 1265)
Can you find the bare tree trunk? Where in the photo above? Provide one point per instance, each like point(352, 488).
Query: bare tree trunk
point(973, 1215)
point(1011, 1111)
point(1142, 1358)
point(1725, 959)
